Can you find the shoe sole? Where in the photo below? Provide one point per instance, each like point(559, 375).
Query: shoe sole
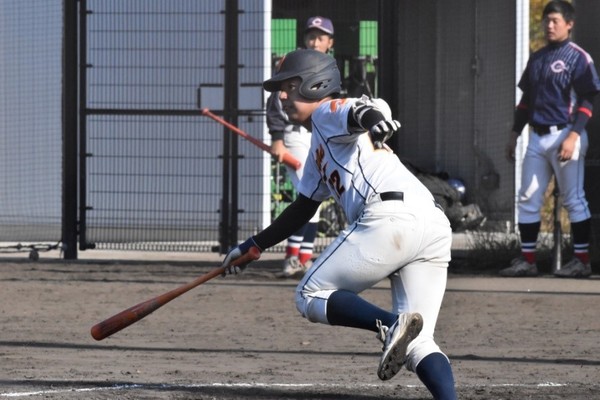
point(576, 276)
point(519, 275)
point(395, 357)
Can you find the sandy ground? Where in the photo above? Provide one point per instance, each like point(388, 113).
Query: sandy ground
point(241, 337)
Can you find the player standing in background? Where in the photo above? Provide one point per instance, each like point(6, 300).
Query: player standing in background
point(395, 229)
point(559, 85)
point(294, 138)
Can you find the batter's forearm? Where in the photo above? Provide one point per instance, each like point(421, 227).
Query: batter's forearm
point(289, 221)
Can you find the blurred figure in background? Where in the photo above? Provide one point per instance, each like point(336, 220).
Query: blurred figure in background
point(295, 139)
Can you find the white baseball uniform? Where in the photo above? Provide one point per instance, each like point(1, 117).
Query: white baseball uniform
point(395, 228)
point(540, 163)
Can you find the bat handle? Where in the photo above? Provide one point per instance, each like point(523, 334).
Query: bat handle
point(291, 161)
point(288, 159)
point(252, 254)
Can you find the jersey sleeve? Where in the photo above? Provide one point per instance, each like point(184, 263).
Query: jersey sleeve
point(586, 85)
point(330, 121)
point(585, 80)
point(521, 114)
point(524, 81)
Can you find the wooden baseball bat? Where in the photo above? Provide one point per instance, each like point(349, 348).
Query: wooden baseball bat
point(133, 314)
point(288, 159)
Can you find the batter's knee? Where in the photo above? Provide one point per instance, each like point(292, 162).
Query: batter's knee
point(313, 305)
point(418, 349)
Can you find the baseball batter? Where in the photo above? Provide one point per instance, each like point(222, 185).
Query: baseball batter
point(559, 85)
point(395, 230)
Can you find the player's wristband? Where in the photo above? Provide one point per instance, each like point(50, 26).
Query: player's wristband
point(245, 247)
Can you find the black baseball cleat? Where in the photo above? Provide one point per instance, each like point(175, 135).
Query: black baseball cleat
point(395, 342)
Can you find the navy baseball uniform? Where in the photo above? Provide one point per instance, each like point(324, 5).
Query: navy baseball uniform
point(559, 85)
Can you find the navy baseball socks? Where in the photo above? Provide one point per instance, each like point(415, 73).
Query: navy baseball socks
point(395, 331)
point(348, 309)
point(436, 374)
point(529, 234)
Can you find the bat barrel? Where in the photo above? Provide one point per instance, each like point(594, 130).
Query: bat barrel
point(133, 314)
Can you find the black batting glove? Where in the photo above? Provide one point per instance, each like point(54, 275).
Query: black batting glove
point(382, 131)
point(371, 118)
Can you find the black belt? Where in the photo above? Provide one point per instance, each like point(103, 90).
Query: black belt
point(545, 129)
point(385, 196)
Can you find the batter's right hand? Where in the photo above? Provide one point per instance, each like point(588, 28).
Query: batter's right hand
point(236, 253)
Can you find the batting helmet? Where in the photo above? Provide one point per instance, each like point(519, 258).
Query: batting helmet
point(319, 74)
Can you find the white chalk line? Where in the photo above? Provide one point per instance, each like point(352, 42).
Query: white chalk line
point(246, 385)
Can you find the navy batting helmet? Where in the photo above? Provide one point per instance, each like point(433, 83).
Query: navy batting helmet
point(319, 74)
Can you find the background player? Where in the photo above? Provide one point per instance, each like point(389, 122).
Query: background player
point(294, 138)
point(395, 229)
point(559, 85)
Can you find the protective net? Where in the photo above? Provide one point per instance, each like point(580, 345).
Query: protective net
point(30, 123)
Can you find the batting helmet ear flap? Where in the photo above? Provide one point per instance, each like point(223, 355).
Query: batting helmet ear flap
point(318, 71)
point(321, 85)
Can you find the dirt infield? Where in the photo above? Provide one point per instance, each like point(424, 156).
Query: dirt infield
point(241, 338)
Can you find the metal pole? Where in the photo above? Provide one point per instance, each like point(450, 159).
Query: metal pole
point(69, 130)
point(231, 112)
point(83, 154)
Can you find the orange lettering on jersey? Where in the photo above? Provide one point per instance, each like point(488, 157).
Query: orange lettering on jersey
point(334, 179)
point(319, 156)
point(334, 104)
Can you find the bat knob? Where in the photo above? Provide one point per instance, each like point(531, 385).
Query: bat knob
point(254, 253)
point(97, 332)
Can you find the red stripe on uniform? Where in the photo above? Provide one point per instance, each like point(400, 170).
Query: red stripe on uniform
point(586, 111)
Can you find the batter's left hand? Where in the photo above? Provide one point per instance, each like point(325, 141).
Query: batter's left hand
point(567, 148)
point(236, 253)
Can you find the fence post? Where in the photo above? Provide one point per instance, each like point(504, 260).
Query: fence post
point(69, 130)
point(229, 204)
